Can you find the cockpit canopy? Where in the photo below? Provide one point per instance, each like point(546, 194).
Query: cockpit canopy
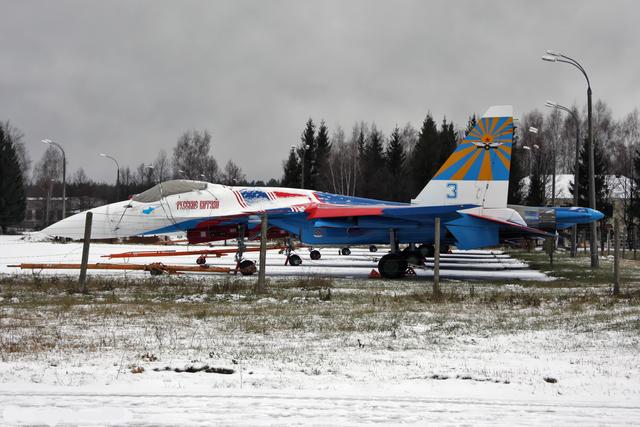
point(168, 188)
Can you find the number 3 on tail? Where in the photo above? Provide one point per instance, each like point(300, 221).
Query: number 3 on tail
point(452, 192)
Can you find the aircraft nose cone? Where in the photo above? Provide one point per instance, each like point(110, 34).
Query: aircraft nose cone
point(71, 227)
point(102, 224)
point(596, 215)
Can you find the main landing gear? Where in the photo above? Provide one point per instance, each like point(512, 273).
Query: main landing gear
point(244, 266)
point(292, 259)
point(397, 264)
point(393, 266)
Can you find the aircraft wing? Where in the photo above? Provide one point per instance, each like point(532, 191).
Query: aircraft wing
point(471, 230)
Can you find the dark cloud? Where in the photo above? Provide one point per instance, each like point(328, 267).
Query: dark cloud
point(129, 77)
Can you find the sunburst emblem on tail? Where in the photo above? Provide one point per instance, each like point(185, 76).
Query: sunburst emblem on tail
point(484, 154)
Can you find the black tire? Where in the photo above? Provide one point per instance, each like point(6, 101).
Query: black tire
point(413, 257)
point(315, 255)
point(427, 251)
point(345, 251)
point(373, 248)
point(247, 268)
point(295, 260)
point(392, 266)
point(201, 260)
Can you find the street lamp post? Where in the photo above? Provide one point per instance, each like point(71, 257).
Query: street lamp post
point(117, 174)
point(64, 175)
point(526, 147)
point(576, 172)
point(552, 56)
point(47, 216)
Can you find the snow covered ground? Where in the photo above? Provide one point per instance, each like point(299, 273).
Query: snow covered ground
point(317, 351)
point(477, 264)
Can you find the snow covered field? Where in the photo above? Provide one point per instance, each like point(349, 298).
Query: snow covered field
point(313, 350)
point(477, 264)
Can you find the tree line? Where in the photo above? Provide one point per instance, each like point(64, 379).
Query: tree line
point(368, 163)
point(365, 162)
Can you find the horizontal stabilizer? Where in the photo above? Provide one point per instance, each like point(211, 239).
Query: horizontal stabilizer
point(471, 232)
point(510, 227)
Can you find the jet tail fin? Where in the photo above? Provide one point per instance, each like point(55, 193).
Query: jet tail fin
point(477, 172)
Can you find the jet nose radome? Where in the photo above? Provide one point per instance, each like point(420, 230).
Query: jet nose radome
point(103, 223)
point(595, 215)
point(71, 227)
point(566, 217)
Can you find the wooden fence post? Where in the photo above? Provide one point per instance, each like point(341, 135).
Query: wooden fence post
point(261, 288)
point(616, 258)
point(85, 252)
point(436, 259)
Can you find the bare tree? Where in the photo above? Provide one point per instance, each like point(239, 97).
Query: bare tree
point(343, 166)
point(145, 175)
point(79, 177)
point(537, 157)
point(567, 143)
point(232, 174)
point(552, 146)
point(161, 167)
point(604, 128)
point(48, 167)
point(191, 155)
point(337, 175)
point(409, 137)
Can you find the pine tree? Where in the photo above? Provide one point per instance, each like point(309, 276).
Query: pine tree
point(373, 166)
point(471, 123)
point(395, 161)
point(307, 152)
point(12, 191)
point(319, 174)
point(292, 171)
point(425, 156)
point(448, 143)
point(360, 177)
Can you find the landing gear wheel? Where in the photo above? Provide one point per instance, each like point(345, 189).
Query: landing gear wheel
point(315, 255)
point(345, 251)
point(201, 260)
point(373, 248)
point(427, 251)
point(247, 268)
point(392, 266)
point(413, 257)
point(295, 260)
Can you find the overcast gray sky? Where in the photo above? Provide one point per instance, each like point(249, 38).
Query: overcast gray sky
point(128, 77)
